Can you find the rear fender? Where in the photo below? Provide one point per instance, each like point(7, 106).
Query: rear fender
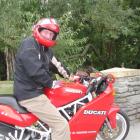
point(112, 115)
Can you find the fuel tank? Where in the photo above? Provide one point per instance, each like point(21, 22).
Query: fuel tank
point(65, 92)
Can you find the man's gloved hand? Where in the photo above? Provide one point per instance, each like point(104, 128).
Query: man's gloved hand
point(74, 77)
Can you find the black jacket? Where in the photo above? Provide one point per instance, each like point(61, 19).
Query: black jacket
point(33, 66)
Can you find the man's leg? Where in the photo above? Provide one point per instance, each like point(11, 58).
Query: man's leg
point(47, 112)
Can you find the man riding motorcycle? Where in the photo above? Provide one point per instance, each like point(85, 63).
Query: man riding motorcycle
point(33, 65)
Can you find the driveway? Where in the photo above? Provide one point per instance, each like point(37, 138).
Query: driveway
point(134, 132)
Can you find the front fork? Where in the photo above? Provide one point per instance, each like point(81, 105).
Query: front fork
point(111, 117)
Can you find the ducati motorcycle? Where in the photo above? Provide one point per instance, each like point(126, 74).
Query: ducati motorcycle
point(87, 104)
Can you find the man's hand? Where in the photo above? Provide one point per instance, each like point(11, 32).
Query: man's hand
point(74, 77)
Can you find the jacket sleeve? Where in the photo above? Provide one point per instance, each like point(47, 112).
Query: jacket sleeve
point(30, 59)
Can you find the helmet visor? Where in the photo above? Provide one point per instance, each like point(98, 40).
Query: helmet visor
point(48, 34)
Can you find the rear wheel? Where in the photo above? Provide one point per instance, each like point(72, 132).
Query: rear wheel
point(2, 137)
point(38, 131)
point(119, 133)
point(5, 130)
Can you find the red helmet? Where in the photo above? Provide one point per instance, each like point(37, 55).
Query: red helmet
point(48, 24)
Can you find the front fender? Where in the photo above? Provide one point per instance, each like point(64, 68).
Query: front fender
point(112, 115)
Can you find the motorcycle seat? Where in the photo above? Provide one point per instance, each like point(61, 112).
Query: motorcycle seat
point(11, 101)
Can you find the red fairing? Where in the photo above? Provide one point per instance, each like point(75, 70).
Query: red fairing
point(85, 125)
point(11, 116)
point(65, 92)
point(112, 115)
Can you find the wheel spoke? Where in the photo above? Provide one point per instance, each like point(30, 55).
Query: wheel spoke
point(2, 137)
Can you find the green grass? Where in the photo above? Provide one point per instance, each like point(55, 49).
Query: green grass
point(6, 87)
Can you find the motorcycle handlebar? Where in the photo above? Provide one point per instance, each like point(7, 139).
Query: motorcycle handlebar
point(95, 84)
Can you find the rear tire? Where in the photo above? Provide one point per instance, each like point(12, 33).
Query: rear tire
point(4, 130)
point(2, 137)
point(119, 133)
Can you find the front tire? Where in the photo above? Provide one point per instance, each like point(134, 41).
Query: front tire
point(119, 133)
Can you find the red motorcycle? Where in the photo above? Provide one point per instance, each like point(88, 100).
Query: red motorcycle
point(87, 104)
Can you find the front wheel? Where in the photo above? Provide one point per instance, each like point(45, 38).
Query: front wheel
point(119, 133)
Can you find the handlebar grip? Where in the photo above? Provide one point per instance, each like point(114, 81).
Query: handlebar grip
point(103, 79)
point(95, 85)
point(92, 86)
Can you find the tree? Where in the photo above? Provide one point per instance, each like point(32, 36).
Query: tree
point(105, 26)
point(101, 33)
point(16, 24)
